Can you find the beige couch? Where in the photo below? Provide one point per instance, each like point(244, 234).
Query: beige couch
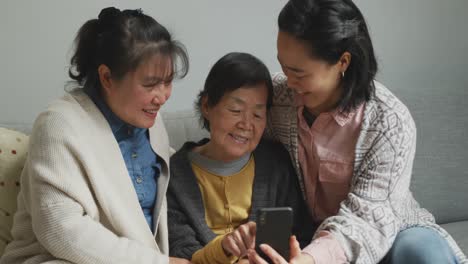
point(440, 179)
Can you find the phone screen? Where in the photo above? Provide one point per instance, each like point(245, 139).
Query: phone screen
point(274, 227)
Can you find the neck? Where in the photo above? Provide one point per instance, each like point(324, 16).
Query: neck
point(328, 104)
point(209, 151)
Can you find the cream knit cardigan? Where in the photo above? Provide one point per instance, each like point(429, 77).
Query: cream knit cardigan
point(380, 203)
point(77, 203)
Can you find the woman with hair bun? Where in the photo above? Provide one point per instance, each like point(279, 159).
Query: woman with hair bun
point(352, 143)
point(93, 189)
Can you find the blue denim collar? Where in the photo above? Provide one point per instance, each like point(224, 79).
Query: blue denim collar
point(120, 129)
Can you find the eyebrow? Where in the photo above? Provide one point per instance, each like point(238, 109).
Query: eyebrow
point(240, 101)
point(288, 67)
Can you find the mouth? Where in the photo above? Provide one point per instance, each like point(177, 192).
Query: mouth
point(239, 139)
point(151, 112)
point(300, 92)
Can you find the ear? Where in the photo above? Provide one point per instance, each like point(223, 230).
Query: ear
point(344, 61)
point(204, 107)
point(105, 78)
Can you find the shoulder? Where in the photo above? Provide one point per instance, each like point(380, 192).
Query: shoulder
point(180, 156)
point(282, 95)
point(271, 150)
point(61, 114)
point(384, 111)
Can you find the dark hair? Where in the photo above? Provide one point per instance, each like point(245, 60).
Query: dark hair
point(329, 28)
point(121, 40)
point(233, 71)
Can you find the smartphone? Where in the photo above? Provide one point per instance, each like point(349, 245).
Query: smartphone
point(274, 227)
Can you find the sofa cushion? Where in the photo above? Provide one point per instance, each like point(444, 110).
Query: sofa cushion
point(440, 172)
point(13, 149)
point(459, 231)
point(183, 126)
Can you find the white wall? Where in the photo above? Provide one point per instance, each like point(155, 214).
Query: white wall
point(418, 42)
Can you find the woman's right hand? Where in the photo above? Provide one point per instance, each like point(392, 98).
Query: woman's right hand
point(238, 242)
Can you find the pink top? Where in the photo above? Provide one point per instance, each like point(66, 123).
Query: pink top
point(326, 155)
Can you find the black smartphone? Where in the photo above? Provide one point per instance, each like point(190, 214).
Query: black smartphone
point(274, 227)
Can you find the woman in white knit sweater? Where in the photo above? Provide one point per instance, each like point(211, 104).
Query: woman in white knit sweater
point(94, 183)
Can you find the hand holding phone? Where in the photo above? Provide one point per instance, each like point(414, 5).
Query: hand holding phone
point(274, 227)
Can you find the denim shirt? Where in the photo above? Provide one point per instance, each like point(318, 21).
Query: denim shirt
point(141, 161)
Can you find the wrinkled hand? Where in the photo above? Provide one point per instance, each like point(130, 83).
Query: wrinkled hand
point(295, 250)
point(243, 261)
point(238, 242)
point(178, 261)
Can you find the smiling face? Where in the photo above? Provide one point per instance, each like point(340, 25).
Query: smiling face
point(236, 123)
point(316, 82)
point(138, 96)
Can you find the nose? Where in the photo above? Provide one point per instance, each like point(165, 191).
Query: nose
point(246, 122)
point(159, 99)
point(161, 94)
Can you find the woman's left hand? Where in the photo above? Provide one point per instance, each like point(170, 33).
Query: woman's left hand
point(296, 256)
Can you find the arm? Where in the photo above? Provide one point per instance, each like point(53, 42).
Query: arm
point(62, 206)
point(184, 244)
point(183, 241)
point(213, 252)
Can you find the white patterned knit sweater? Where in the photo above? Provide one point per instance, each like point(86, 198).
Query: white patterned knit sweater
point(379, 204)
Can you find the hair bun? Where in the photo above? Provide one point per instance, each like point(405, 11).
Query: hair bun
point(109, 13)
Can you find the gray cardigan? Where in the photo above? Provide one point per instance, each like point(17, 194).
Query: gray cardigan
point(275, 185)
point(380, 203)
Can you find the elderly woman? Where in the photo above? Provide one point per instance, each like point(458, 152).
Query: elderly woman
point(94, 184)
point(218, 184)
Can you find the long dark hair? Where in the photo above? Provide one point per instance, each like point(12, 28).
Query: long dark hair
point(121, 40)
point(329, 28)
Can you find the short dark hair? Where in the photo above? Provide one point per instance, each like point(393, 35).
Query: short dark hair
point(329, 28)
point(122, 40)
point(234, 70)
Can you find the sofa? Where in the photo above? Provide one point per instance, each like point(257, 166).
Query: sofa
point(440, 173)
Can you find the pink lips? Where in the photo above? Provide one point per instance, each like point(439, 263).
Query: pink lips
point(152, 114)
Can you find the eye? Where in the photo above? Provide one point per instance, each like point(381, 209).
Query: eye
point(150, 85)
point(300, 76)
point(235, 111)
point(258, 116)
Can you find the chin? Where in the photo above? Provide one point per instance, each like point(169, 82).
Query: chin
point(145, 124)
point(239, 154)
point(149, 125)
